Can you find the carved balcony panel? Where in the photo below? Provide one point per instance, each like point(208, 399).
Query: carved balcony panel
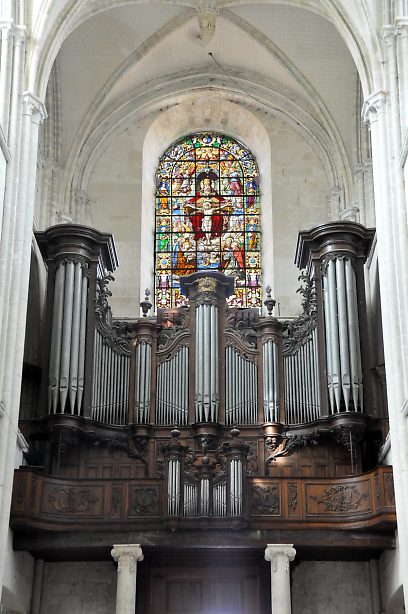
point(360, 502)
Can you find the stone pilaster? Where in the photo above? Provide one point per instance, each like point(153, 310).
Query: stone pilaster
point(279, 556)
point(127, 557)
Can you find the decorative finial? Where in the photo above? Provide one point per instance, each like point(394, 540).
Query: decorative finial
point(175, 433)
point(269, 302)
point(235, 432)
point(146, 304)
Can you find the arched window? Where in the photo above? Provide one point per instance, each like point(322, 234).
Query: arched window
point(207, 217)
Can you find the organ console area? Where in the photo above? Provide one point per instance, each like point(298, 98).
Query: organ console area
point(258, 429)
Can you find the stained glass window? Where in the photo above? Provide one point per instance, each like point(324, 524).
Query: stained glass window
point(207, 217)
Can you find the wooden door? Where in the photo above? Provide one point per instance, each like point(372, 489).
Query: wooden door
point(206, 588)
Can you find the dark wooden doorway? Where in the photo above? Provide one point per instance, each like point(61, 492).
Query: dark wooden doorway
point(203, 582)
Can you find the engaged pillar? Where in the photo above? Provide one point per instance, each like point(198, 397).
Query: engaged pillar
point(280, 556)
point(127, 557)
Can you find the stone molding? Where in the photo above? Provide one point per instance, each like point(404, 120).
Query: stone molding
point(127, 556)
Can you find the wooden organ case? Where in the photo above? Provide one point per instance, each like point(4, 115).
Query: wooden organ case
point(205, 427)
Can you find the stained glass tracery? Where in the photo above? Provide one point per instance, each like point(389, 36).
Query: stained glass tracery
point(207, 217)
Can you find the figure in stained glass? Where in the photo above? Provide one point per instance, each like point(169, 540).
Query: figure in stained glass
point(206, 212)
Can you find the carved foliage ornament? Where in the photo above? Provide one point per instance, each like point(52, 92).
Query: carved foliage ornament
point(240, 324)
point(71, 500)
point(173, 324)
point(282, 445)
point(341, 498)
point(144, 501)
point(293, 497)
point(116, 334)
point(266, 499)
point(296, 332)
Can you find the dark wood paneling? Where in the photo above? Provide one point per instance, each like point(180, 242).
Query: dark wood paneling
point(364, 500)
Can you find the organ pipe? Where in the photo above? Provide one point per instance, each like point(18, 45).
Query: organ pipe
point(207, 387)
point(342, 335)
point(142, 382)
point(172, 389)
point(302, 398)
point(241, 395)
point(67, 354)
point(110, 391)
point(74, 253)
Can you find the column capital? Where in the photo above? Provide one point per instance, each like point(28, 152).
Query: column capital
point(401, 25)
point(7, 29)
point(373, 105)
point(33, 106)
point(127, 555)
point(388, 33)
point(20, 35)
point(283, 552)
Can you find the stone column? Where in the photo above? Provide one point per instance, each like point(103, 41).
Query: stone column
point(127, 557)
point(280, 556)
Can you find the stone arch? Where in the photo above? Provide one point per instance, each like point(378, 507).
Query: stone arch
point(217, 115)
point(55, 23)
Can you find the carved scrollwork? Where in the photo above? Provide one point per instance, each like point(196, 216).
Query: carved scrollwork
point(252, 458)
point(19, 492)
point(298, 331)
point(266, 499)
point(173, 324)
point(144, 501)
point(292, 497)
point(207, 298)
point(342, 498)
point(72, 500)
point(117, 334)
point(334, 257)
point(244, 349)
point(389, 489)
point(348, 435)
point(283, 445)
point(240, 325)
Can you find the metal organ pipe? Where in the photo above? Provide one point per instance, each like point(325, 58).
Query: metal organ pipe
point(342, 336)
point(67, 355)
point(354, 337)
point(343, 330)
point(110, 391)
point(334, 346)
point(172, 389)
point(302, 397)
point(82, 339)
point(236, 487)
point(66, 334)
point(241, 389)
point(56, 336)
point(207, 388)
point(142, 382)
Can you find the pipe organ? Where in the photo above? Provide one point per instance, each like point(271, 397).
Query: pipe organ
point(205, 388)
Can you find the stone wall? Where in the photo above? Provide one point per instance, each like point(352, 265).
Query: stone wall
point(332, 587)
point(79, 588)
